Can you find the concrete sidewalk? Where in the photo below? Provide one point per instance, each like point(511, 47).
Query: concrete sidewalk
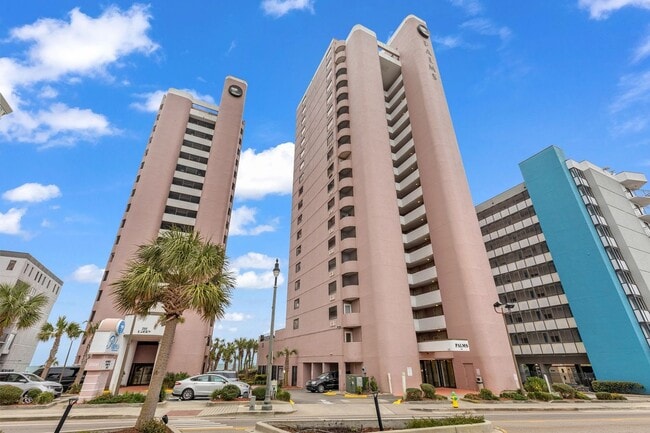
point(203, 408)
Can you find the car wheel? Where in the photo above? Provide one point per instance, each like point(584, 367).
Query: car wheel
point(187, 394)
point(27, 399)
point(321, 388)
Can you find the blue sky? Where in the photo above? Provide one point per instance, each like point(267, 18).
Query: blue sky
point(84, 80)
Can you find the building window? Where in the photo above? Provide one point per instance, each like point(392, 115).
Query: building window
point(11, 265)
point(348, 337)
point(331, 265)
point(105, 276)
point(296, 303)
point(298, 250)
point(333, 313)
point(296, 323)
point(330, 204)
point(299, 234)
point(331, 243)
point(296, 285)
point(299, 218)
point(300, 191)
point(331, 222)
point(300, 204)
point(331, 288)
point(347, 308)
point(298, 267)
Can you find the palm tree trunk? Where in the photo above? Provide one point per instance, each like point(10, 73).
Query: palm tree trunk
point(50, 359)
point(148, 410)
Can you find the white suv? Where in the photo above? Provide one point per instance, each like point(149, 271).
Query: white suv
point(28, 381)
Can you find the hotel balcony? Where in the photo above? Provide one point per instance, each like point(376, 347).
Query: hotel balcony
point(631, 180)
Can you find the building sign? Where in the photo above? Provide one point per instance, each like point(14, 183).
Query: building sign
point(444, 346)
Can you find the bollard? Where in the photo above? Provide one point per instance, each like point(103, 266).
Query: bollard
point(251, 403)
point(454, 400)
point(71, 402)
point(381, 426)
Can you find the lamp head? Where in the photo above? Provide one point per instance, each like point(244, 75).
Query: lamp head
point(497, 304)
point(276, 268)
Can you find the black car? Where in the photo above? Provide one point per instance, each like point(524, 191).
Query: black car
point(323, 382)
point(66, 379)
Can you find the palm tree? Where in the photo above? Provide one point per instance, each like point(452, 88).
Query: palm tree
point(18, 308)
point(91, 328)
point(286, 352)
point(248, 355)
point(228, 354)
point(216, 351)
point(49, 331)
point(240, 347)
point(178, 271)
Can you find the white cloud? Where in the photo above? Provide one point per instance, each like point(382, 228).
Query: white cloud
point(88, 274)
point(601, 9)
point(242, 222)
point(150, 102)
point(635, 90)
point(642, 51)
point(278, 8)
point(10, 221)
point(63, 52)
point(235, 317)
point(253, 260)
point(448, 41)
point(232, 46)
point(471, 7)
point(267, 172)
point(32, 193)
point(256, 280)
point(485, 26)
point(252, 279)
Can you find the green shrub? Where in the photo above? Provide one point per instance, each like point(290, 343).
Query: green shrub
point(439, 422)
point(535, 384)
point(44, 398)
point(428, 390)
point(582, 396)
point(171, 378)
point(74, 389)
point(10, 394)
point(373, 386)
point(228, 392)
point(153, 426)
point(259, 393)
point(617, 386)
point(33, 393)
point(260, 379)
point(472, 396)
point(566, 391)
point(162, 395)
point(283, 395)
point(602, 395)
point(127, 397)
point(543, 396)
point(487, 394)
point(514, 395)
point(413, 394)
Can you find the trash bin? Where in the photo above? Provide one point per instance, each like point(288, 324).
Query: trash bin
point(251, 403)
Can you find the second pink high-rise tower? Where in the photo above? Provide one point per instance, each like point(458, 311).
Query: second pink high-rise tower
point(388, 273)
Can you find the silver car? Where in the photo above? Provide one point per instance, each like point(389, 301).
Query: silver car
point(204, 385)
point(28, 381)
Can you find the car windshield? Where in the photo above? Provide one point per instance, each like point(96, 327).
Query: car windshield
point(33, 377)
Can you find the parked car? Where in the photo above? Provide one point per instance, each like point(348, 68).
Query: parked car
point(204, 385)
point(55, 375)
point(228, 374)
point(323, 382)
point(28, 381)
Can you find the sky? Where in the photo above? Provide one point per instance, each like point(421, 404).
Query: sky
point(85, 79)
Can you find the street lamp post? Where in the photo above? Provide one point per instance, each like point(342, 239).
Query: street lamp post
point(269, 364)
point(504, 309)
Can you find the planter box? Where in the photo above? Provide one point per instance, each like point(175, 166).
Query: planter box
point(395, 425)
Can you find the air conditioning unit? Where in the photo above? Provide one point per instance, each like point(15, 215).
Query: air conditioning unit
point(331, 251)
point(332, 323)
point(332, 297)
point(331, 274)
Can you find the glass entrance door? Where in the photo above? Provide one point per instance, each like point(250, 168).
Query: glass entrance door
point(438, 372)
point(140, 374)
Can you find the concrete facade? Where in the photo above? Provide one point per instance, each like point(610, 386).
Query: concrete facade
point(17, 347)
point(186, 179)
point(570, 249)
point(5, 108)
point(388, 275)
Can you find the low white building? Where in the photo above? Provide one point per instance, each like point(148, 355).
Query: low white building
point(17, 347)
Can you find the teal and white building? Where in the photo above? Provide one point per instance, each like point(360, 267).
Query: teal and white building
point(570, 248)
